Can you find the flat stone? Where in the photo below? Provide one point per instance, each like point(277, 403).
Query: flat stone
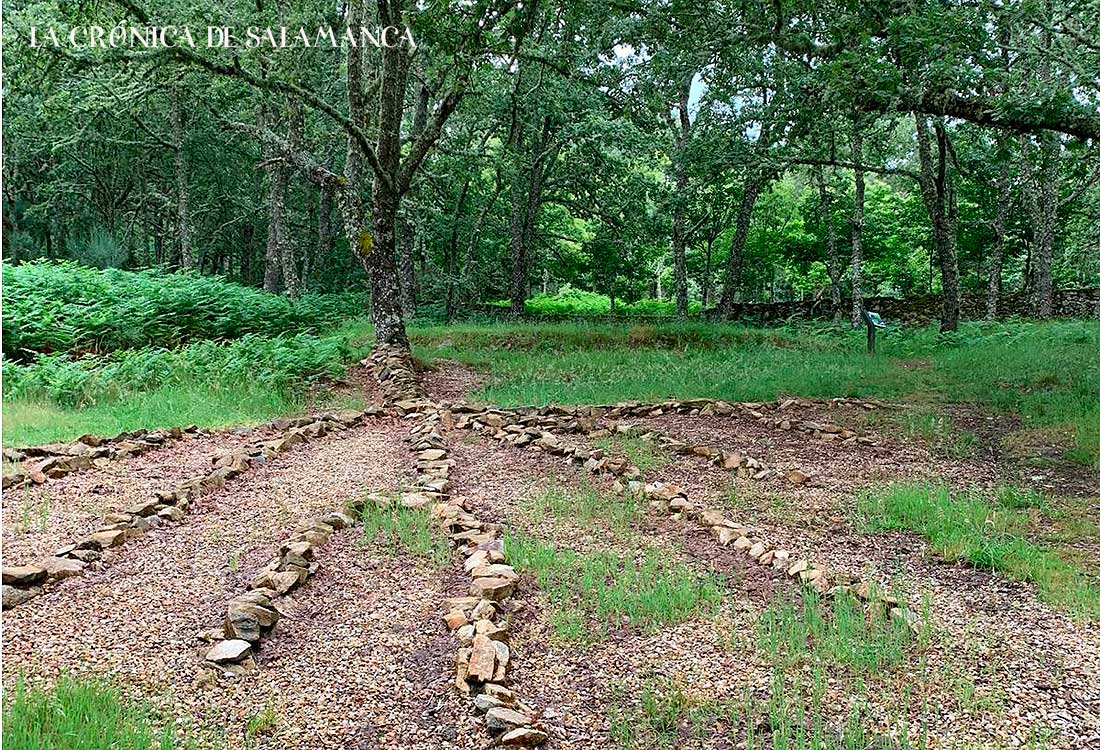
point(484, 702)
point(795, 476)
point(232, 650)
point(62, 567)
point(723, 534)
point(492, 588)
point(13, 596)
point(497, 570)
point(456, 618)
point(505, 719)
point(483, 659)
point(798, 567)
point(523, 737)
point(24, 575)
point(756, 550)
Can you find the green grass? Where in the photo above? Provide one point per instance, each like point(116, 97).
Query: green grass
point(966, 526)
point(838, 632)
point(208, 384)
point(587, 505)
point(400, 529)
point(604, 590)
point(642, 453)
point(663, 715)
point(1049, 373)
point(940, 432)
point(78, 715)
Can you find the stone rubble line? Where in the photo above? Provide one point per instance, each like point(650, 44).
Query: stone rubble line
point(770, 414)
point(24, 582)
point(483, 656)
point(60, 459)
point(527, 430)
point(253, 614)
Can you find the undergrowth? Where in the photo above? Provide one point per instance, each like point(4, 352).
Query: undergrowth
point(967, 526)
point(66, 307)
point(591, 593)
point(77, 714)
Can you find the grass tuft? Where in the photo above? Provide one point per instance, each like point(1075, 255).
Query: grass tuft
point(646, 593)
point(77, 715)
point(966, 527)
point(401, 529)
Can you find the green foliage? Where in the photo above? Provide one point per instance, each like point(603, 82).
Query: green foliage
point(587, 505)
point(845, 633)
point(251, 362)
point(77, 714)
point(571, 302)
point(965, 526)
point(401, 529)
point(646, 592)
point(66, 307)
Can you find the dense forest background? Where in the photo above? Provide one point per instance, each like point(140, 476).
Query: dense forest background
point(703, 153)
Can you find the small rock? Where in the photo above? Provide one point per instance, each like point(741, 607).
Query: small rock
point(232, 650)
point(523, 737)
point(505, 719)
point(483, 659)
point(13, 597)
point(62, 567)
point(24, 575)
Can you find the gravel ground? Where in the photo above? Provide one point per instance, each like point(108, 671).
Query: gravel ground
point(362, 660)
point(364, 639)
point(41, 518)
point(1000, 666)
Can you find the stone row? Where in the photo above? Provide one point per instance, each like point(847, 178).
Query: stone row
point(775, 415)
point(55, 460)
point(671, 499)
point(24, 582)
point(393, 368)
point(537, 432)
point(483, 657)
point(253, 614)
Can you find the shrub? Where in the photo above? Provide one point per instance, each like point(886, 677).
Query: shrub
point(66, 307)
point(277, 364)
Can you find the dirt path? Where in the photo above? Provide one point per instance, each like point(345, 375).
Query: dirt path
point(355, 666)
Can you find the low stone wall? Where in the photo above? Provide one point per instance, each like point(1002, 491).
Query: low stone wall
point(483, 657)
point(55, 460)
point(916, 309)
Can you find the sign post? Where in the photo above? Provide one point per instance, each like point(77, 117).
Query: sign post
point(873, 323)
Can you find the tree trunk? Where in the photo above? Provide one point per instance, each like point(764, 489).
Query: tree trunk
point(1044, 219)
point(407, 266)
point(857, 226)
point(732, 279)
point(1003, 187)
point(517, 240)
point(707, 271)
point(938, 192)
point(679, 238)
point(679, 259)
point(183, 201)
point(832, 258)
point(279, 177)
